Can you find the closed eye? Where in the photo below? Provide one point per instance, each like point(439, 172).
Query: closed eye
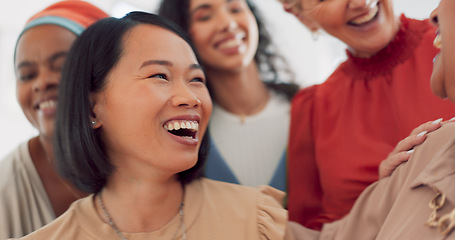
point(236, 10)
point(28, 77)
point(202, 80)
point(159, 75)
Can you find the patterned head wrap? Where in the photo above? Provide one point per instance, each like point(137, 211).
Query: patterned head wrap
point(73, 15)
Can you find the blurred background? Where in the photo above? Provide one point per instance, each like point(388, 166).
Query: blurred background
point(312, 61)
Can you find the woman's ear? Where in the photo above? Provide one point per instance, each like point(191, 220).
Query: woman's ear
point(95, 121)
point(295, 9)
point(308, 22)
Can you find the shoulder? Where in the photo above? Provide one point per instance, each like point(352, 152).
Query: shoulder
point(430, 155)
point(15, 159)
point(304, 96)
point(261, 206)
point(336, 83)
point(441, 140)
point(64, 227)
point(12, 168)
point(242, 193)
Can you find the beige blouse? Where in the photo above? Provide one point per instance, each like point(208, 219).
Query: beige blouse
point(213, 210)
point(397, 207)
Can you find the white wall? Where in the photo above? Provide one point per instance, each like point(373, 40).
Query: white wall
point(312, 61)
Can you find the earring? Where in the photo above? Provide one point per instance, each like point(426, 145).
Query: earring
point(315, 34)
point(93, 122)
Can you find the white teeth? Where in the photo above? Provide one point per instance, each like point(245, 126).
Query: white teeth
point(181, 124)
point(48, 104)
point(437, 43)
point(230, 44)
point(367, 17)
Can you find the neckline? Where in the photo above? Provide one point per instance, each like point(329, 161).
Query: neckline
point(401, 48)
point(274, 100)
point(94, 224)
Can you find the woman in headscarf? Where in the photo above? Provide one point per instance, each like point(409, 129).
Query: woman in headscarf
point(32, 194)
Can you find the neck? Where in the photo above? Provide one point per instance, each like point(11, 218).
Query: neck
point(141, 205)
point(239, 92)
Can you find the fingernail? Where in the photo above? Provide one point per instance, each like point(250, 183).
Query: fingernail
point(410, 151)
point(437, 121)
point(422, 133)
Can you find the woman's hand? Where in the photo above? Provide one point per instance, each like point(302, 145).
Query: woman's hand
point(404, 148)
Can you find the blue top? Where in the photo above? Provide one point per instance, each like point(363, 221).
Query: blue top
point(216, 168)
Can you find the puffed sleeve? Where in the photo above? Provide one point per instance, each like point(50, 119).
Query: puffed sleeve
point(304, 188)
point(272, 218)
point(273, 221)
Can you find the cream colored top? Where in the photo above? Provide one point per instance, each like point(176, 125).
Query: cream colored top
point(24, 204)
point(253, 148)
point(213, 210)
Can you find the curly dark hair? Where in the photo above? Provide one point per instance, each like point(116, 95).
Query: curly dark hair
point(272, 66)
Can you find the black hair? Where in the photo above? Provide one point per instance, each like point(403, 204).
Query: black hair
point(79, 149)
point(271, 65)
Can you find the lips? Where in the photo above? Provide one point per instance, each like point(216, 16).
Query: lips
point(437, 43)
point(182, 128)
point(232, 41)
point(367, 18)
point(45, 105)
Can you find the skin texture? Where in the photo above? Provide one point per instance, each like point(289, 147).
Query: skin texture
point(216, 23)
point(336, 17)
point(442, 82)
point(232, 72)
point(157, 79)
point(40, 55)
point(342, 19)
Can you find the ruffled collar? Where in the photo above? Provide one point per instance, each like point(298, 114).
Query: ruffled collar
point(399, 50)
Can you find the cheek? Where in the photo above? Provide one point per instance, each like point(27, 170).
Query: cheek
point(449, 73)
point(200, 36)
point(253, 31)
point(437, 78)
point(23, 95)
point(207, 105)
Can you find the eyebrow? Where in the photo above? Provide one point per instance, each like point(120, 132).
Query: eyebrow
point(52, 58)
point(155, 62)
point(202, 6)
point(167, 63)
point(206, 6)
point(195, 66)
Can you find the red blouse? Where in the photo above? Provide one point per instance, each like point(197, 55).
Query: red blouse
point(342, 129)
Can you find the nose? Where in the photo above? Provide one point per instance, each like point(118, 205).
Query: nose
point(434, 16)
point(46, 80)
point(226, 21)
point(184, 97)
